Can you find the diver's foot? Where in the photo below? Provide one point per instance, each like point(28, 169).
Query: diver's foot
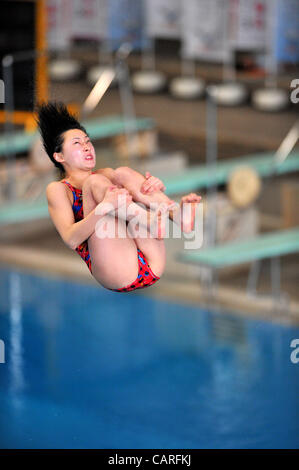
point(188, 210)
point(161, 218)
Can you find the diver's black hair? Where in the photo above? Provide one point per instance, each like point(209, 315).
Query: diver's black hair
point(53, 120)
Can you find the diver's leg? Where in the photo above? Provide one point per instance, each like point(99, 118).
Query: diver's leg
point(113, 258)
point(154, 222)
point(154, 251)
point(183, 214)
point(132, 181)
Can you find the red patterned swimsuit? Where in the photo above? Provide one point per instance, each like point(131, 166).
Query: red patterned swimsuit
point(145, 276)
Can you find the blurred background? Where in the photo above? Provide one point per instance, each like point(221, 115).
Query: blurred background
point(203, 94)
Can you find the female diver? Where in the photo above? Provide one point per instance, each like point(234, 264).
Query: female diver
point(76, 203)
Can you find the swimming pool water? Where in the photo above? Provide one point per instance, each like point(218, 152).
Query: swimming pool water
point(89, 368)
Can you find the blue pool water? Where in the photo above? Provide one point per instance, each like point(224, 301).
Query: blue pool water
point(89, 368)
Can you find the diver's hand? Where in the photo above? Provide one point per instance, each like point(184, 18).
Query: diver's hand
point(117, 196)
point(114, 198)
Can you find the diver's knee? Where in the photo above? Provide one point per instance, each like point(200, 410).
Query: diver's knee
point(96, 180)
point(122, 173)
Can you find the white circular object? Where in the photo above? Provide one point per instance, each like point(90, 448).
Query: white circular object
point(228, 94)
point(95, 72)
point(244, 186)
point(187, 87)
point(148, 81)
point(64, 69)
point(270, 99)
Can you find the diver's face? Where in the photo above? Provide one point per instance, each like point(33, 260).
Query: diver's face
point(77, 151)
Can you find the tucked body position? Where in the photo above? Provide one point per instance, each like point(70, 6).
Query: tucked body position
point(86, 199)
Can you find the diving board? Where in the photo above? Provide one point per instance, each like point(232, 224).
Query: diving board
point(97, 128)
point(264, 246)
point(201, 176)
point(16, 212)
